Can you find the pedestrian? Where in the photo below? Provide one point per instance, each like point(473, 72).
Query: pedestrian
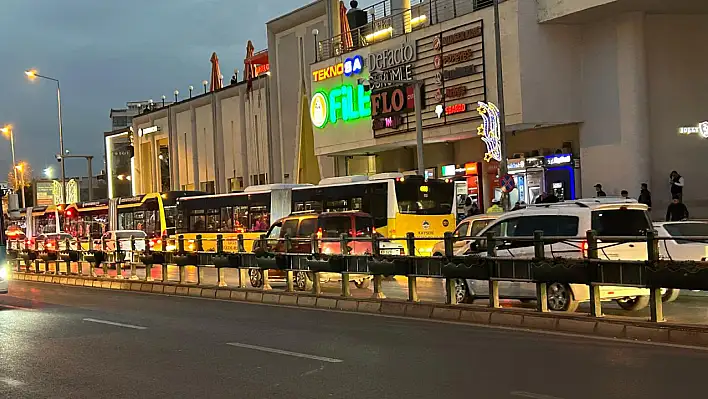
point(540, 199)
point(471, 207)
point(495, 208)
point(644, 196)
point(517, 206)
point(598, 191)
point(550, 198)
point(676, 211)
point(676, 182)
point(624, 194)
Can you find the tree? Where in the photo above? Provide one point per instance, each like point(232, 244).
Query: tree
point(24, 176)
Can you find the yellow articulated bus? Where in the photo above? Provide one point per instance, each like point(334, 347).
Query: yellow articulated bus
point(399, 204)
point(249, 213)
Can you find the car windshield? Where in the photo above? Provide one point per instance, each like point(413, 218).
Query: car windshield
point(419, 197)
point(334, 226)
point(677, 230)
point(620, 222)
point(128, 234)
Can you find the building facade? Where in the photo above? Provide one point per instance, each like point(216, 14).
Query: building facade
point(599, 89)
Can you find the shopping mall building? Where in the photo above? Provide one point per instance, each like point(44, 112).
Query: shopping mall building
point(596, 91)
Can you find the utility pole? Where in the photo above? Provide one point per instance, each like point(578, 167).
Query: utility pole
point(503, 169)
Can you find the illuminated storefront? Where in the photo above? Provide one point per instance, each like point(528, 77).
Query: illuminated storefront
point(120, 162)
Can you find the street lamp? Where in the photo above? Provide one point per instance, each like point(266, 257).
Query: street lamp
point(9, 133)
point(32, 75)
point(204, 82)
point(89, 159)
point(19, 168)
point(176, 94)
point(49, 172)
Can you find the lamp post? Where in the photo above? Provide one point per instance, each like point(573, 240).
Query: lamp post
point(7, 131)
point(204, 83)
point(503, 168)
point(418, 102)
point(89, 159)
point(190, 91)
point(176, 94)
point(20, 167)
point(32, 75)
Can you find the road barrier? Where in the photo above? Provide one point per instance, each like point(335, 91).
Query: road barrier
point(299, 259)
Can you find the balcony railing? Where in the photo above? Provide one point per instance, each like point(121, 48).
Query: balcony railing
point(385, 23)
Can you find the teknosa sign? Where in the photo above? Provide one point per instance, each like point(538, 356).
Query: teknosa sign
point(392, 101)
point(350, 66)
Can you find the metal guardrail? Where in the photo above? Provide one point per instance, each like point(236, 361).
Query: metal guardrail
point(385, 23)
point(337, 258)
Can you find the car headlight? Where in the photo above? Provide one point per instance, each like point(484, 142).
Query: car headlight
point(4, 274)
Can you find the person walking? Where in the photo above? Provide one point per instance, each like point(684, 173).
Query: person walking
point(495, 208)
point(644, 196)
point(677, 183)
point(624, 194)
point(676, 211)
point(598, 191)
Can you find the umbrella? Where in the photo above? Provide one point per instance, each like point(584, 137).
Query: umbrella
point(248, 68)
point(215, 73)
point(347, 42)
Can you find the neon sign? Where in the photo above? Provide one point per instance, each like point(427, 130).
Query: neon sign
point(489, 130)
point(455, 109)
point(345, 102)
point(350, 66)
point(558, 159)
point(701, 130)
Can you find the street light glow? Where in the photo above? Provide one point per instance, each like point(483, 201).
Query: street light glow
point(31, 74)
point(19, 167)
point(48, 172)
point(6, 130)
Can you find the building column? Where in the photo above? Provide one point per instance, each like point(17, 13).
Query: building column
point(195, 148)
point(217, 132)
point(246, 172)
point(155, 186)
point(401, 22)
point(173, 149)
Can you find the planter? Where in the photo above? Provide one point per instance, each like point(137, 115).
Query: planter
point(153, 258)
point(689, 276)
point(69, 256)
point(268, 261)
point(226, 260)
point(12, 254)
point(393, 267)
point(48, 256)
point(185, 259)
point(563, 270)
point(468, 267)
point(28, 256)
point(95, 258)
point(331, 264)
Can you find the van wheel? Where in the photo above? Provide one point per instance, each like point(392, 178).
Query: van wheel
point(256, 277)
point(303, 281)
point(363, 283)
point(634, 303)
point(462, 293)
point(560, 298)
point(670, 295)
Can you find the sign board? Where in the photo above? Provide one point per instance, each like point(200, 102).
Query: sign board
point(392, 101)
point(44, 193)
point(507, 183)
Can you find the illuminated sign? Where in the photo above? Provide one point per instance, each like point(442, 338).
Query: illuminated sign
point(449, 170)
point(451, 92)
point(262, 68)
point(558, 159)
point(393, 100)
point(389, 58)
point(453, 58)
point(148, 130)
point(457, 37)
point(516, 164)
point(701, 130)
point(471, 169)
point(381, 79)
point(489, 130)
point(456, 73)
point(389, 122)
point(345, 102)
point(350, 66)
point(455, 109)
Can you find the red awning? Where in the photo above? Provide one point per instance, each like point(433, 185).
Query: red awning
point(215, 73)
point(347, 42)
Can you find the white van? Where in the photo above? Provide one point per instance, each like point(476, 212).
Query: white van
point(609, 217)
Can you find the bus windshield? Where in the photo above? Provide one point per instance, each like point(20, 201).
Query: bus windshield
point(424, 198)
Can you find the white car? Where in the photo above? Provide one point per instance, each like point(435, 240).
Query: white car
point(672, 247)
point(122, 238)
point(572, 219)
point(468, 227)
point(4, 277)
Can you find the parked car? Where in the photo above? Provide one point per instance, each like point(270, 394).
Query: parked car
point(4, 278)
point(673, 247)
point(468, 227)
point(328, 225)
point(53, 242)
point(120, 239)
point(572, 219)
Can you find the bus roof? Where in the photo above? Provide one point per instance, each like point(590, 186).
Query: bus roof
point(343, 180)
point(271, 187)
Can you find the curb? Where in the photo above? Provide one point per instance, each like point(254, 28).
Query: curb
point(522, 318)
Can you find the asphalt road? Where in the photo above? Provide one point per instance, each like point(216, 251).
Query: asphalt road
point(74, 342)
point(690, 308)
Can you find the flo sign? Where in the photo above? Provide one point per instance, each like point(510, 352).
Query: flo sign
point(342, 103)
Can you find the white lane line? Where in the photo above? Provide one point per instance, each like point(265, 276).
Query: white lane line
point(113, 323)
point(287, 353)
point(11, 382)
point(532, 395)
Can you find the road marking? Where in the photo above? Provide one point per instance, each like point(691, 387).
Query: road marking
point(113, 323)
point(532, 395)
point(283, 352)
point(11, 382)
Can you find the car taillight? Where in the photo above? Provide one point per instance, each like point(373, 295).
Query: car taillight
point(319, 233)
point(584, 248)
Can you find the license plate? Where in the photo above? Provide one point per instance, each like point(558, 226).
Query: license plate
point(390, 251)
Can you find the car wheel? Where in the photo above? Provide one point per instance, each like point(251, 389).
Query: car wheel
point(438, 254)
point(363, 283)
point(670, 295)
point(256, 277)
point(560, 298)
point(462, 293)
point(303, 281)
point(634, 303)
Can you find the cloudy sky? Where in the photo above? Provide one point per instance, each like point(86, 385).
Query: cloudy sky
point(107, 52)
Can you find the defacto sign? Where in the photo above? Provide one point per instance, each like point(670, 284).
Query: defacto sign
point(350, 66)
point(392, 57)
point(345, 102)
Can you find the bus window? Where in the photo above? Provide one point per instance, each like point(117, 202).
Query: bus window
point(307, 228)
point(197, 223)
point(170, 219)
point(213, 222)
point(259, 218)
point(424, 198)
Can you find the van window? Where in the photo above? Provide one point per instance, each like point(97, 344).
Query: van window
point(678, 230)
point(479, 225)
point(307, 228)
point(289, 228)
point(364, 226)
point(550, 225)
point(333, 226)
point(274, 232)
point(461, 230)
point(620, 222)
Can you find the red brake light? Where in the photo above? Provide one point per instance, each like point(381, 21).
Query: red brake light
point(584, 248)
point(319, 233)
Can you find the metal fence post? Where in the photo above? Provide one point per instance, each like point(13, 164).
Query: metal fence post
point(200, 270)
point(378, 292)
point(180, 250)
point(79, 263)
point(656, 307)
point(133, 267)
point(595, 299)
point(242, 273)
point(449, 241)
point(344, 250)
point(220, 272)
point(541, 288)
point(493, 284)
point(148, 267)
point(36, 261)
point(67, 244)
point(266, 279)
point(412, 279)
point(104, 249)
